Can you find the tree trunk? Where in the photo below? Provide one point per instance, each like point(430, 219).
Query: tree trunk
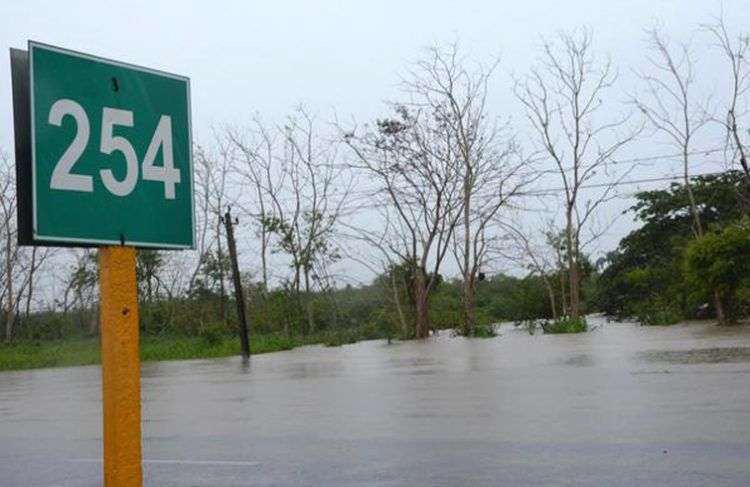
point(397, 301)
point(469, 307)
point(719, 306)
point(263, 251)
point(308, 305)
point(563, 294)
point(551, 296)
point(572, 249)
point(422, 324)
point(31, 282)
point(468, 287)
point(222, 291)
point(574, 290)
point(149, 289)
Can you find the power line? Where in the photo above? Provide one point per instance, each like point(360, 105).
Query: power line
point(371, 193)
point(551, 191)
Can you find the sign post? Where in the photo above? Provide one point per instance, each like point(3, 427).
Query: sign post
point(103, 159)
point(121, 379)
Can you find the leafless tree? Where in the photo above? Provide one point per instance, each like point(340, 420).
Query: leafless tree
point(735, 50)
point(258, 166)
point(35, 261)
point(541, 260)
point(671, 108)
point(413, 158)
point(455, 90)
point(81, 290)
point(564, 98)
point(8, 235)
point(668, 104)
point(381, 262)
point(222, 166)
point(204, 215)
point(212, 185)
point(306, 191)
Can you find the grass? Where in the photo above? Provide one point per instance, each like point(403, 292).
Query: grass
point(85, 351)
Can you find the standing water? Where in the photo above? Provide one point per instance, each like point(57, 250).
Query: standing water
point(621, 405)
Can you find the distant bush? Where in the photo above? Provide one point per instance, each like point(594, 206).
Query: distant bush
point(566, 325)
point(212, 334)
point(719, 262)
point(484, 331)
point(344, 336)
point(658, 313)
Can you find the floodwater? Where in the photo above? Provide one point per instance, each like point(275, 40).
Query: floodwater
point(620, 406)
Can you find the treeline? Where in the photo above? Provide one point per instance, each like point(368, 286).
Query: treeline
point(667, 271)
point(444, 199)
point(344, 314)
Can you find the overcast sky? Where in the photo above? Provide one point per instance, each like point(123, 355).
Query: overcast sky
point(346, 56)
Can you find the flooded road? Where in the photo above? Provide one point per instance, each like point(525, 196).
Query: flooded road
point(622, 406)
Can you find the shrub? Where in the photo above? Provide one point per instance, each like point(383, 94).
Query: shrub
point(212, 334)
point(720, 262)
point(658, 313)
point(566, 325)
point(484, 331)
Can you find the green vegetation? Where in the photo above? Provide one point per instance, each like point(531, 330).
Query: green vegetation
point(664, 272)
point(565, 325)
point(85, 351)
point(720, 262)
point(660, 274)
point(190, 327)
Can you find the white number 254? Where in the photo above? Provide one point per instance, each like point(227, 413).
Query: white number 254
point(64, 179)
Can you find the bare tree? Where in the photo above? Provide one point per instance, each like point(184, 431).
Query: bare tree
point(455, 91)
point(735, 51)
point(221, 169)
point(202, 181)
point(536, 258)
point(258, 166)
point(306, 194)
point(81, 288)
point(672, 110)
point(413, 159)
point(564, 100)
point(382, 263)
point(8, 234)
point(214, 171)
point(668, 104)
point(33, 263)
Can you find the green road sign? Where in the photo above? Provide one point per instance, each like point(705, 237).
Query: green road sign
point(111, 158)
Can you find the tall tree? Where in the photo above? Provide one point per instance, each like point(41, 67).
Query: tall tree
point(306, 192)
point(673, 110)
point(215, 169)
point(564, 97)
point(258, 166)
point(455, 90)
point(412, 158)
point(735, 51)
point(8, 236)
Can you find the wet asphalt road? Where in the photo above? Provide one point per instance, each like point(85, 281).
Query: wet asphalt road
point(620, 406)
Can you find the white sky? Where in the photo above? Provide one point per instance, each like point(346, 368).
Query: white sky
point(244, 57)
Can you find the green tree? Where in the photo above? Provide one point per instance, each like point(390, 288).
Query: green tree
point(646, 269)
point(148, 264)
point(720, 261)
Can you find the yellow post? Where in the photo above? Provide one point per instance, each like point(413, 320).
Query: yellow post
point(121, 379)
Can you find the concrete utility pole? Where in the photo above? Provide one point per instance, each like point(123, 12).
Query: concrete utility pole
point(239, 296)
